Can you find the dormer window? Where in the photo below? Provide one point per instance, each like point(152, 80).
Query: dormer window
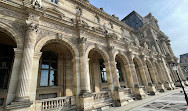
point(96, 19)
point(78, 11)
point(54, 1)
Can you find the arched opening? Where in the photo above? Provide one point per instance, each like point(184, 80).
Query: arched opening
point(97, 70)
point(55, 78)
point(149, 68)
point(138, 64)
point(121, 71)
point(7, 45)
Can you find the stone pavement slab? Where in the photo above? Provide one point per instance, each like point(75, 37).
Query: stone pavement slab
point(168, 101)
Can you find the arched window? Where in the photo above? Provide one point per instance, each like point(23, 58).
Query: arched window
point(78, 11)
point(103, 71)
point(96, 19)
point(6, 60)
point(119, 72)
point(49, 69)
point(54, 1)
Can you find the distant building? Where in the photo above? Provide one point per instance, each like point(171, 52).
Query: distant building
point(184, 64)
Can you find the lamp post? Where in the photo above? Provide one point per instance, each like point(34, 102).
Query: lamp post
point(174, 67)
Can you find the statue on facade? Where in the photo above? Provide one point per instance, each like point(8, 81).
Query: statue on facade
point(145, 45)
point(36, 3)
point(137, 41)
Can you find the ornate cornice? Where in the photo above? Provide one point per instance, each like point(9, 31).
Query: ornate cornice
point(89, 6)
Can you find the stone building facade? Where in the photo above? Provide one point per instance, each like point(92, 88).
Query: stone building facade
point(70, 55)
point(184, 64)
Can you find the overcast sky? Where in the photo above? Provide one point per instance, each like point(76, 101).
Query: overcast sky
point(172, 16)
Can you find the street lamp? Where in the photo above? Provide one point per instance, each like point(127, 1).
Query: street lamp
point(174, 67)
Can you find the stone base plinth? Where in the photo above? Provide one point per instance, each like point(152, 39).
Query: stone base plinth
point(177, 84)
point(122, 97)
point(161, 87)
point(86, 102)
point(168, 86)
point(19, 106)
point(173, 85)
point(185, 82)
point(139, 92)
point(151, 89)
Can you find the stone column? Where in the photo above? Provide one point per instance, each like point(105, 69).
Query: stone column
point(169, 83)
point(14, 76)
point(76, 80)
point(166, 48)
point(109, 76)
point(138, 90)
point(86, 98)
point(185, 82)
point(160, 85)
point(34, 76)
point(84, 71)
point(169, 47)
point(114, 74)
point(129, 77)
point(27, 62)
point(149, 85)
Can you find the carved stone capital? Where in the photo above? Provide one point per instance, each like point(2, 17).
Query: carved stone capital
point(82, 40)
point(32, 26)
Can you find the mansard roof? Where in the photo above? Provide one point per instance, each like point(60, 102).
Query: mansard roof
point(134, 20)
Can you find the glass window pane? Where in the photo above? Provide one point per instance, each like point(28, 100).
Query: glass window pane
point(55, 1)
point(52, 77)
point(105, 77)
point(45, 65)
point(44, 78)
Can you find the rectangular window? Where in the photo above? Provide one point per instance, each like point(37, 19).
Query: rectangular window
point(54, 1)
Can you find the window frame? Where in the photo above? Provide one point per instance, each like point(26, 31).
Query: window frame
point(49, 62)
point(96, 19)
point(54, 1)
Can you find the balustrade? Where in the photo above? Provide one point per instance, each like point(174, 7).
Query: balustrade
point(59, 102)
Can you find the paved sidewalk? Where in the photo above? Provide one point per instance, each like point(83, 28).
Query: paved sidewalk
point(168, 101)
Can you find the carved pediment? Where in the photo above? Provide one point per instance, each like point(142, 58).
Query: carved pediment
point(54, 13)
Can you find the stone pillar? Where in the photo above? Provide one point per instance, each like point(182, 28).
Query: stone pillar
point(109, 76)
point(149, 85)
point(84, 71)
point(34, 76)
point(129, 75)
point(85, 94)
point(114, 74)
point(138, 90)
point(76, 80)
point(157, 72)
point(166, 48)
point(168, 80)
point(27, 62)
point(184, 81)
point(14, 76)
